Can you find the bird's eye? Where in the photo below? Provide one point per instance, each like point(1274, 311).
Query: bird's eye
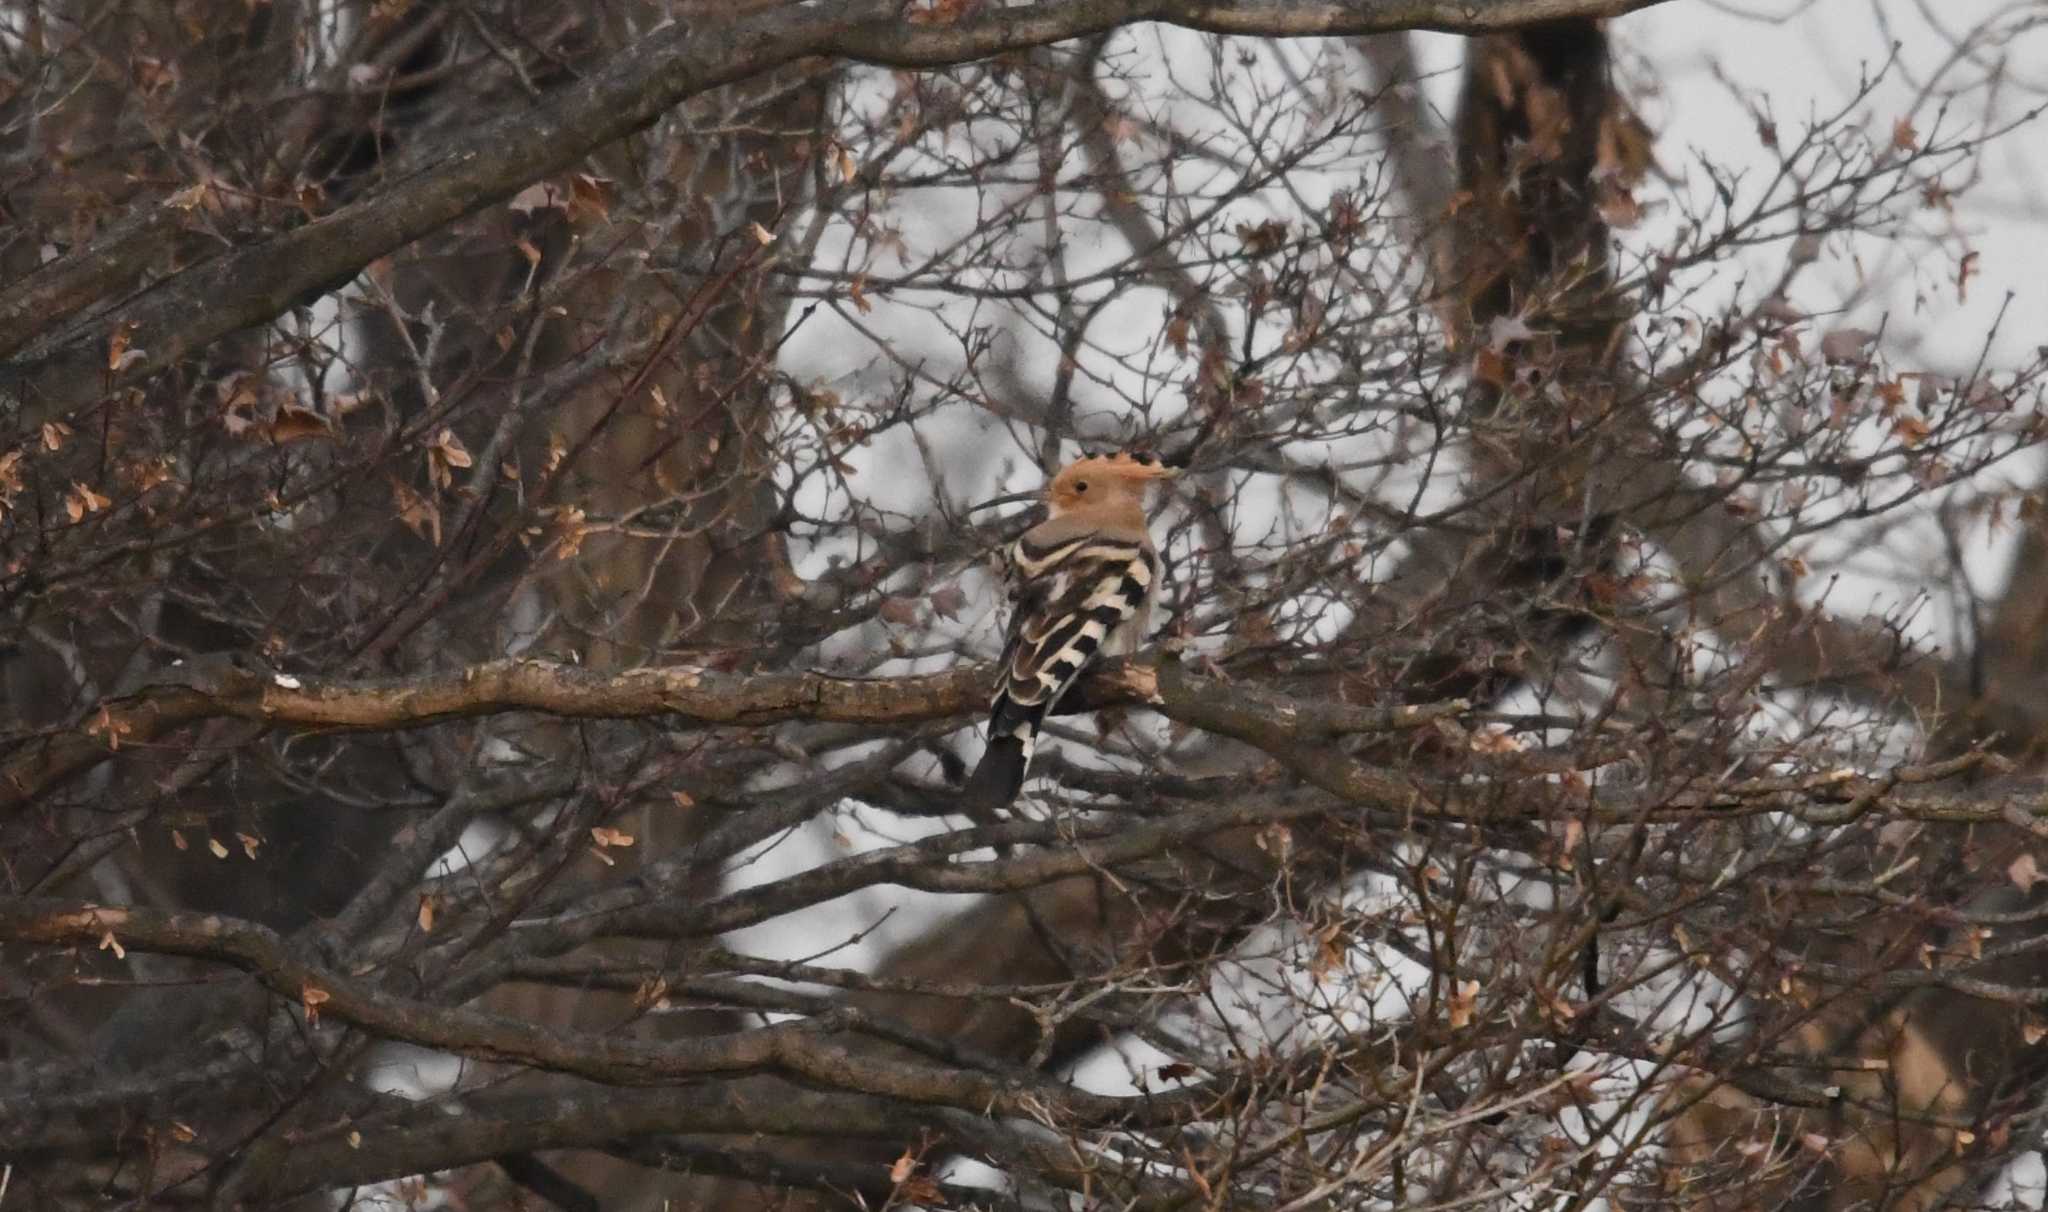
point(1080, 486)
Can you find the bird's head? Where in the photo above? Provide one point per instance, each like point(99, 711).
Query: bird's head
point(1109, 480)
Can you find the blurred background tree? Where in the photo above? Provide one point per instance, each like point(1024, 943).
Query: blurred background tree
point(493, 633)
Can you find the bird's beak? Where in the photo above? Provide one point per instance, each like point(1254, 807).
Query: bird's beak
point(1011, 499)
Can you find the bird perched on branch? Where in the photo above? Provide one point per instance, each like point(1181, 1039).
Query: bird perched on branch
point(1082, 584)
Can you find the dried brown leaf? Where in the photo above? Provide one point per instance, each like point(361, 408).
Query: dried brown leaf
point(1463, 1001)
point(1490, 368)
point(1846, 344)
point(295, 424)
point(445, 454)
point(947, 600)
point(120, 355)
point(420, 515)
point(589, 197)
point(570, 531)
point(82, 500)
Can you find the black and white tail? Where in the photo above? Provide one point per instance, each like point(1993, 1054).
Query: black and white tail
point(1012, 737)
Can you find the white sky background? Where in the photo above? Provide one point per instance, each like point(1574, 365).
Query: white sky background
point(1711, 62)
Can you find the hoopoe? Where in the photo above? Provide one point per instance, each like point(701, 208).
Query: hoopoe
point(1082, 584)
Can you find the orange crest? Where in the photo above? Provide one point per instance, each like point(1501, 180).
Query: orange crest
point(1120, 476)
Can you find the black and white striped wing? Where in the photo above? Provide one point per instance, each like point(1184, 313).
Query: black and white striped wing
point(1070, 597)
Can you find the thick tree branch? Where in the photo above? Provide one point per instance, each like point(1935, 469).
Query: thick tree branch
point(1303, 735)
point(492, 1125)
point(804, 1050)
point(688, 698)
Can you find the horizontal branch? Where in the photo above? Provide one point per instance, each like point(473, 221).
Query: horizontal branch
point(687, 697)
point(929, 865)
point(1302, 735)
point(806, 1050)
point(495, 1123)
point(247, 286)
point(684, 698)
